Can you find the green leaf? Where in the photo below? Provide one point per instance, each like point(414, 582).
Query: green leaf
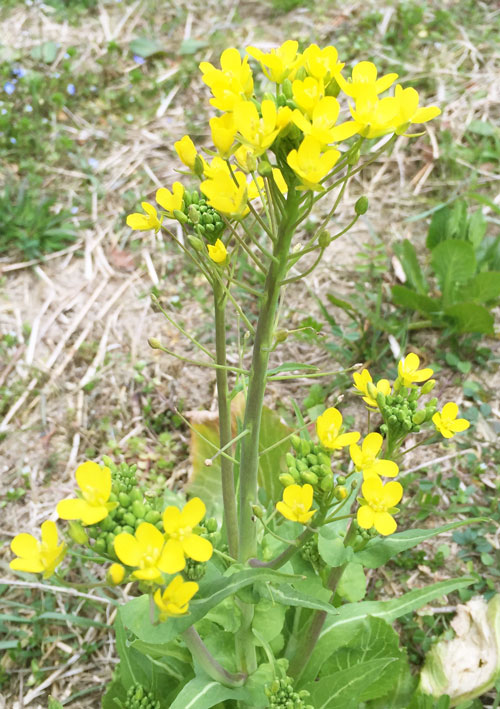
point(454, 262)
point(352, 584)
point(476, 228)
point(289, 596)
point(135, 613)
point(338, 629)
point(409, 260)
point(46, 52)
point(191, 46)
point(272, 463)
point(202, 692)
point(380, 549)
point(471, 317)
point(205, 480)
point(340, 690)
point(116, 694)
point(268, 619)
point(331, 547)
point(437, 228)
point(483, 128)
point(483, 287)
point(54, 703)
point(145, 47)
point(407, 298)
point(292, 367)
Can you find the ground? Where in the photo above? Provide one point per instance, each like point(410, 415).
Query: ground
point(79, 378)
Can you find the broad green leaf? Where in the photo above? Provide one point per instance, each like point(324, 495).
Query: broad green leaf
point(135, 614)
point(46, 52)
point(289, 596)
point(339, 690)
point(205, 480)
point(332, 549)
point(409, 260)
point(352, 584)
point(484, 128)
point(116, 694)
point(476, 228)
point(145, 47)
point(483, 287)
point(191, 46)
point(437, 227)
point(202, 692)
point(268, 619)
point(400, 694)
point(374, 640)
point(380, 549)
point(454, 262)
point(407, 298)
point(272, 463)
point(337, 629)
point(471, 317)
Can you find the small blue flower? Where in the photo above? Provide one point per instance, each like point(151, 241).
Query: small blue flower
point(19, 71)
point(74, 210)
point(70, 88)
point(93, 163)
point(28, 108)
point(138, 59)
point(13, 141)
point(9, 87)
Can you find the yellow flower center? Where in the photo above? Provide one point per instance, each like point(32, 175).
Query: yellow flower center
point(378, 505)
point(149, 558)
point(94, 497)
point(182, 533)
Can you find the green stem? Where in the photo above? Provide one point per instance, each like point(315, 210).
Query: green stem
point(226, 465)
point(305, 648)
point(214, 669)
point(210, 365)
point(285, 555)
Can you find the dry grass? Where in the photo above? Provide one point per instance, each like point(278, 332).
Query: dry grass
point(94, 295)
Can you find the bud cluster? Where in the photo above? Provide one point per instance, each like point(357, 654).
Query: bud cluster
point(310, 464)
point(281, 694)
point(401, 413)
point(131, 511)
point(204, 220)
point(309, 552)
point(140, 698)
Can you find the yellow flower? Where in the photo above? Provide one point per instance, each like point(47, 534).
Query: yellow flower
point(447, 423)
point(409, 372)
point(116, 574)
point(310, 164)
point(218, 252)
point(280, 63)
point(374, 117)
point(170, 201)
point(224, 195)
point(144, 222)
point(232, 82)
point(245, 158)
point(322, 124)
point(364, 81)
point(186, 151)
point(35, 556)
point(322, 63)
point(365, 458)
point(296, 503)
point(329, 430)
point(307, 93)
point(181, 540)
point(378, 500)
point(147, 551)
point(174, 600)
point(256, 132)
point(93, 506)
point(223, 132)
point(217, 164)
point(409, 112)
point(361, 381)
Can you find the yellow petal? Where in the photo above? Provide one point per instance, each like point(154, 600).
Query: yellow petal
point(148, 536)
point(32, 566)
point(372, 487)
point(372, 444)
point(197, 548)
point(49, 534)
point(393, 492)
point(71, 509)
point(450, 410)
point(365, 516)
point(286, 511)
point(127, 549)
point(193, 512)
point(346, 439)
point(384, 523)
point(149, 573)
point(171, 519)
point(25, 545)
point(90, 476)
point(307, 495)
point(172, 557)
point(387, 468)
point(459, 425)
point(292, 495)
point(93, 514)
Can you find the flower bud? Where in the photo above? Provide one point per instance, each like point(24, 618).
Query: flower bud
point(340, 479)
point(77, 533)
point(115, 574)
point(264, 168)
point(296, 442)
point(326, 483)
point(309, 477)
point(211, 525)
point(286, 87)
point(372, 390)
point(305, 446)
point(333, 89)
point(138, 509)
point(286, 479)
point(281, 335)
point(361, 206)
point(290, 460)
point(180, 216)
point(154, 343)
point(353, 158)
point(124, 499)
point(419, 417)
point(198, 169)
point(257, 511)
point(196, 243)
point(428, 386)
point(324, 239)
point(193, 214)
point(340, 492)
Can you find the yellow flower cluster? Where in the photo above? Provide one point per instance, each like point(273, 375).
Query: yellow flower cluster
point(297, 126)
point(148, 551)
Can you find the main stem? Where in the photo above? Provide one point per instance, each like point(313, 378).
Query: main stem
point(226, 465)
point(249, 462)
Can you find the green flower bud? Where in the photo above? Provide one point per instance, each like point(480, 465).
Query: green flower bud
point(108, 462)
point(361, 206)
point(100, 546)
point(312, 459)
point(381, 399)
point(138, 509)
point(419, 417)
point(340, 479)
point(286, 87)
point(290, 460)
point(340, 492)
point(128, 528)
point(286, 479)
point(281, 335)
point(264, 168)
point(309, 477)
point(124, 499)
point(324, 239)
point(154, 343)
point(211, 525)
point(428, 386)
point(152, 516)
point(107, 523)
point(296, 443)
point(196, 243)
point(301, 465)
point(326, 483)
point(198, 171)
point(193, 214)
point(324, 459)
point(305, 447)
point(129, 519)
point(294, 473)
point(77, 533)
point(353, 158)
point(180, 216)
